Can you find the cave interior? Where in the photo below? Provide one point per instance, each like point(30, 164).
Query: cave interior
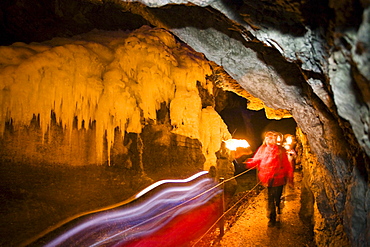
point(99, 99)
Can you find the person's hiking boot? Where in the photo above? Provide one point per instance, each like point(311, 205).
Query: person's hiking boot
point(271, 223)
point(278, 210)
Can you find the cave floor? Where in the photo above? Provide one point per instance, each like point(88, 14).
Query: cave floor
point(34, 199)
point(251, 228)
point(245, 226)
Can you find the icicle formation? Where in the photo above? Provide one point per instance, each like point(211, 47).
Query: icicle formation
point(116, 78)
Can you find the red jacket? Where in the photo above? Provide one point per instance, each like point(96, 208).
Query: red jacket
point(273, 166)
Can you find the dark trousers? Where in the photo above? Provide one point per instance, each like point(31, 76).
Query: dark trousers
point(273, 201)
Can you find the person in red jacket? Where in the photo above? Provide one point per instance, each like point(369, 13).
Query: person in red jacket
point(274, 171)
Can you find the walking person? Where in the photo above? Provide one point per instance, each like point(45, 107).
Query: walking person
point(225, 169)
point(289, 145)
point(274, 172)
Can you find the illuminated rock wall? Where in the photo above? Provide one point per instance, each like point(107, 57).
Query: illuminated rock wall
point(64, 100)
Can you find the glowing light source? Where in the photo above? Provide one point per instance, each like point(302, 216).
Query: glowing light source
point(233, 144)
point(288, 140)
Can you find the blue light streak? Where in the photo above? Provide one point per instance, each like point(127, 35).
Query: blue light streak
point(146, 215)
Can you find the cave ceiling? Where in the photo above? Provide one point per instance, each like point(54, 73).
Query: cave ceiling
point(306, 59)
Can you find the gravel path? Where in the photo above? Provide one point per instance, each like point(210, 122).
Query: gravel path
point(251, 228)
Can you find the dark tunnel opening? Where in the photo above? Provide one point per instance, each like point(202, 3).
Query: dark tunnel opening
point(251, 125)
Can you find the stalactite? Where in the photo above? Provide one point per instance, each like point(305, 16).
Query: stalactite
point(114, 79)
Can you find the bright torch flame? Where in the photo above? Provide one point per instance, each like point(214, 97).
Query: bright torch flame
point(233, 144)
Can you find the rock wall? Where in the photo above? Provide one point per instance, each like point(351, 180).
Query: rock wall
point(64, 99)
point(307, 67)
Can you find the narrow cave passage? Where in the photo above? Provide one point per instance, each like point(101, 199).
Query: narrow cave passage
point(251, 227)
point(248, 225)
point(50, 164)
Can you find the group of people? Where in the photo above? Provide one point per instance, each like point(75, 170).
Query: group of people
point(275, 170)
point(274, 162)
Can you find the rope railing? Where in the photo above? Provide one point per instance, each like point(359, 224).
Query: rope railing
point(188, 201)
point(230, 208)
point(207, 194)
point(242, 173)
point(193, 198)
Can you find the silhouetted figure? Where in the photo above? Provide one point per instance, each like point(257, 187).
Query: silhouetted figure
point(274, 171)
point(225, 169)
